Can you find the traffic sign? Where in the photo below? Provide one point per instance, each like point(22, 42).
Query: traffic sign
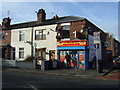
point(96, 36)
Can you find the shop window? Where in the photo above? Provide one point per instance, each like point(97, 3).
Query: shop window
point(40, 34)
point(65, 31)
point(21, 35)
point(63, 52)
point(21, 53)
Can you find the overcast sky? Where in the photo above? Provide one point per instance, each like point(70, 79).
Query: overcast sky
point(102, 14)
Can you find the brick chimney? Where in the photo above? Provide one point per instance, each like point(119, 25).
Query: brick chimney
point(41, 15)
point(6, 22)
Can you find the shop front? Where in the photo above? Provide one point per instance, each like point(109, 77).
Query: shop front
point(74, 48)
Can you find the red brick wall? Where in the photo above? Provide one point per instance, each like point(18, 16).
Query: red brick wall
point(76, 26)
point(102, 37)
point(7, 39)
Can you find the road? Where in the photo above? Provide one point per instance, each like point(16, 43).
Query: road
point(35, 81)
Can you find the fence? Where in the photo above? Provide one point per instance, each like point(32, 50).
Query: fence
point(8, 63)
point(30, 65)
point(25, 64)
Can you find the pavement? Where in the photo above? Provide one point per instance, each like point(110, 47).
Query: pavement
point(113, 75)
point(67, 72)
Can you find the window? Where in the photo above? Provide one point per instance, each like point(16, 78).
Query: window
point(13, 54)
point(65, 31)
point(2, 35)
point(21, 36)
point(21, 52)
point(40, 34)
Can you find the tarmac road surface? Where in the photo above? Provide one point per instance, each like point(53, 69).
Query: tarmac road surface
point(36, 81)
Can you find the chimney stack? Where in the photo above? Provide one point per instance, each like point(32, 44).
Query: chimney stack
point(6, 22)
point(41, 15)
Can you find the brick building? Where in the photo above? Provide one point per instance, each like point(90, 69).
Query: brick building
point(5, 39)
point(113, 47)
point(82, 29)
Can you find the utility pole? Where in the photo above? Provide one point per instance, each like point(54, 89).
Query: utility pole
point(32, 42)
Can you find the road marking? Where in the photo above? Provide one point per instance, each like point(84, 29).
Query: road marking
point(34, 88)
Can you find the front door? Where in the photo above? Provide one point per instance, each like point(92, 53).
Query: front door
point(52, 54)
point(40, 55)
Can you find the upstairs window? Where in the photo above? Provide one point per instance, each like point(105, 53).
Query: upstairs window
point(40, 34)
point(21, 35)
point(2, 35)
point(65, 31)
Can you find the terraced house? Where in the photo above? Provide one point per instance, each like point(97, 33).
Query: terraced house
point(36, 38)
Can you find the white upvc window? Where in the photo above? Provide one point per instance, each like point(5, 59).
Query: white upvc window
point(21, 35)
point(40, 34)
point(21, 53)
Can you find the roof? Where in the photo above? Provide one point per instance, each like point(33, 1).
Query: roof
point(46, 22)
point(5, 45)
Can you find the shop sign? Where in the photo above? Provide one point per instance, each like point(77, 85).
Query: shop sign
point(71, 43)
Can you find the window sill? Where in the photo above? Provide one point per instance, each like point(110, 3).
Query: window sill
point(40, 39)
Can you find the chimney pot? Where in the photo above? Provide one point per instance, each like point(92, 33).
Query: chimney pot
point(6, 22)
point(41, 15)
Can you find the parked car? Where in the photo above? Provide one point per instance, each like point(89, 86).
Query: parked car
point(116, 62)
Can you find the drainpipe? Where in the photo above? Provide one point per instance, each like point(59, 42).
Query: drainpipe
point(32, 42)
point(32, 48)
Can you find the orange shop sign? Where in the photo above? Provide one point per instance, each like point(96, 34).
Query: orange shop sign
point(72, 43)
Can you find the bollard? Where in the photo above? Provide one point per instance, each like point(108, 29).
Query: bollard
point(99, 66)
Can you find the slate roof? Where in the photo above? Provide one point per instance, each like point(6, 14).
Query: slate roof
point(46, 22)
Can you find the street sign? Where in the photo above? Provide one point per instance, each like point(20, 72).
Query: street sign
point(96, 36)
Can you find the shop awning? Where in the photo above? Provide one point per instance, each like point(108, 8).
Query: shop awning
point(70, 48)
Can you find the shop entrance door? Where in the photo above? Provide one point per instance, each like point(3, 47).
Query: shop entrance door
point(74, 58)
